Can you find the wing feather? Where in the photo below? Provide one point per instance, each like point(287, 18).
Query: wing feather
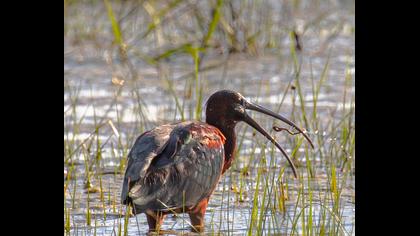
point(180, 171)
point(146, 148)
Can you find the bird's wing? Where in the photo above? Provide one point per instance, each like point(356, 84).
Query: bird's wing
point(186, 170)
point(147, 147)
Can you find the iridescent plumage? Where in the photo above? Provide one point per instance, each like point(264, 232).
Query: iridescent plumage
point(170, 159)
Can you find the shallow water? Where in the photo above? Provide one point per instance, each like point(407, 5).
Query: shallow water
point(91, 98)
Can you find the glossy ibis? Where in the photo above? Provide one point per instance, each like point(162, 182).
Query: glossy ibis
point(175, 167)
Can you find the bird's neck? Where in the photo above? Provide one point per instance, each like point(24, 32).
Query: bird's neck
point(230, 146)
point(228, 130)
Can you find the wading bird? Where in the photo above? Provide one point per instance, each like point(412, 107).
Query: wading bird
point(176, 167)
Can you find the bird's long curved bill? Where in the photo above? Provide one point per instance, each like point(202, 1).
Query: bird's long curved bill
point(256, 126)
point(255, 107)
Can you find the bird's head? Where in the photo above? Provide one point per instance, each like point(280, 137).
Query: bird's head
point(225, 108)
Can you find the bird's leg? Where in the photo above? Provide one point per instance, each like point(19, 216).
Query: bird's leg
point(197, 215)
point(155, 220)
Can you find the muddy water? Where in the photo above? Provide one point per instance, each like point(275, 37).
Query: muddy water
point(92, 98)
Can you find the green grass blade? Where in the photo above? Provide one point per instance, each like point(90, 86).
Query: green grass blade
point(115, 27)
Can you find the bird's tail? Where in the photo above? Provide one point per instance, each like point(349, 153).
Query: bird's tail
point(125, 199)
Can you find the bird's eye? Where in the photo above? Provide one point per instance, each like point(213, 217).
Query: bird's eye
point(243, 102)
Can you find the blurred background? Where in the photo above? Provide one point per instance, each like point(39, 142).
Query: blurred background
point(132, 65)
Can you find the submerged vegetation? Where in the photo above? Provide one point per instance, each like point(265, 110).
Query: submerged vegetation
point(131, 65)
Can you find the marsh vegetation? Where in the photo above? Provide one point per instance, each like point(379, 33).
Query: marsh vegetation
point(132, 65)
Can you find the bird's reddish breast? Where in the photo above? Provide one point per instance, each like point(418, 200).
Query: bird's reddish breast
point(207, 135)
